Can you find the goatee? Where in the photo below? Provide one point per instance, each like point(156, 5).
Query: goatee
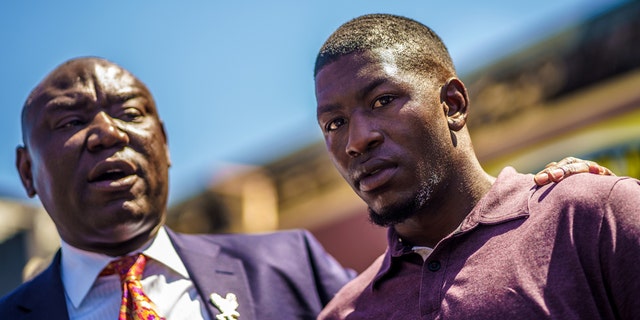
point(400, 212)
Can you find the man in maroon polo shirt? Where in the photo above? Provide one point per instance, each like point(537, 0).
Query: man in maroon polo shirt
point(462, 244)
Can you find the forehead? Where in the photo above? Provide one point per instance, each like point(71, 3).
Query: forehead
point(112, 78)
point(86, 78)
point(354, 73)
point(359, 64)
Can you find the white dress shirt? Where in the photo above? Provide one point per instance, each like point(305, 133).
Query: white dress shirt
point(165, 281)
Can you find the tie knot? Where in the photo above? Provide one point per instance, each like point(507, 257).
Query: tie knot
point(129, 267)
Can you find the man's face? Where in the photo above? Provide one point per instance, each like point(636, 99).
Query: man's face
point(95, 152)
point(386, 133)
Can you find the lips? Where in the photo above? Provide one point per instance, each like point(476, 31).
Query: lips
point(374, 175)
point(113, 175)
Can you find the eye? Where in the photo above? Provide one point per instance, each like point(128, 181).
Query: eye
point(129, 107)
point(131, 114)
point(70, 123)
point(383, 101)
point(335, 124)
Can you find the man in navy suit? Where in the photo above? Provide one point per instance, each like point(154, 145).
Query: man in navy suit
point(95, 152)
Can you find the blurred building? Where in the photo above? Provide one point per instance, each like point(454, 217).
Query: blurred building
point(575, 93)
point(301, 190)
point(28, 240)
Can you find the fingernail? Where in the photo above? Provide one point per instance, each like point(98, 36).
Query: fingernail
point(541, 178)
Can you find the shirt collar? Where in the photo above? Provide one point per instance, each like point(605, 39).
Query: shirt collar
point(508, 199)
point(162, 251)
point(395, 249)
point(80, 268)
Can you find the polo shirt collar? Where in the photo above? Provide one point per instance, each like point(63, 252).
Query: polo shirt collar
point(506, 200)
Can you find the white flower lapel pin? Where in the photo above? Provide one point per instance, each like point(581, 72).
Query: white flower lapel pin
point(226, 305)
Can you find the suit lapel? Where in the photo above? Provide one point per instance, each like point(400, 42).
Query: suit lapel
point(214, 272)
point(44, 296)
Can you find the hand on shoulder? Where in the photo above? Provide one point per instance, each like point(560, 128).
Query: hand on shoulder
point(556, 171)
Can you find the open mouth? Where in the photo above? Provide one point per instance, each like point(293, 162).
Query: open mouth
point(113, 175)
point(110, 176)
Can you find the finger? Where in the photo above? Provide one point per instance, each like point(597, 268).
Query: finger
point(557, 174)
point(598, 169)
point(557, 171)
point(550, 164)
point(563, 162)
point(549, 175)
point(568, 160)
point(541, 178)
point(576, 167)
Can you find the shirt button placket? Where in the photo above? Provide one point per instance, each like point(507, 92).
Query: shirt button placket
point(431, 287)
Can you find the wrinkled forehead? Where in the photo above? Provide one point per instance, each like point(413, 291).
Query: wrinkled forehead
point(84, 79)
point(91, 77)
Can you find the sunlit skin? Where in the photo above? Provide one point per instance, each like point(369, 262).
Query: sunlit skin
point(95, 153)
point(399, 139)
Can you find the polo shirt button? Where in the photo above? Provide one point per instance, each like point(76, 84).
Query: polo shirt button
point(433, 266)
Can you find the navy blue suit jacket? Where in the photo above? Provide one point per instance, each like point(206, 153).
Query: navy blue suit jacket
point(281, 275)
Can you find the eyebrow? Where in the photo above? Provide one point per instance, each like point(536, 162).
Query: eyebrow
point(126, 95)
point(360, 94)
point(326, 109)
point(71, 100)
point(372, 85)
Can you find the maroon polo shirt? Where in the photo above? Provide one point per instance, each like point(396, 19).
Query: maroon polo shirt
point(563, 251)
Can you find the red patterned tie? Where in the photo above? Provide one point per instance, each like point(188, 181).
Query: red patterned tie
point(135, 304)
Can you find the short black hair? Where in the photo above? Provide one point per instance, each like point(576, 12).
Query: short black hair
point(416, 46)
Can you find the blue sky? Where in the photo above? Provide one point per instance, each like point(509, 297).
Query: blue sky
point(233, 79)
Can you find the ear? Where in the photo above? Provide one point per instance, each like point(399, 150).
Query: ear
point(455, 101)
point(23, 163)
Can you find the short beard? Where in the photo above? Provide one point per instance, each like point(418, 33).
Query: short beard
point(400, 212)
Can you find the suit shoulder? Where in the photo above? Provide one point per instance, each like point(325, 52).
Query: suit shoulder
point(279, 239)
point(11, 304)
point(345, 300)
point(8, 303)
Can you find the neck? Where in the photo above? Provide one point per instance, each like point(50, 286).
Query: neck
point(446, 211)
point(122, 248)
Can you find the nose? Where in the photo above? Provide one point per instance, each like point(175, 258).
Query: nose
point(363, 136)
point(105, 133)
